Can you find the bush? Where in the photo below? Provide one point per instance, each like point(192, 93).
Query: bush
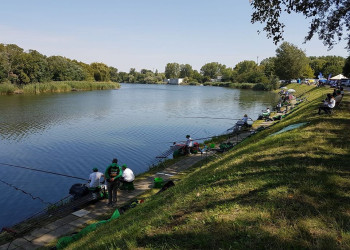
point(259, 86)
point(7, 88)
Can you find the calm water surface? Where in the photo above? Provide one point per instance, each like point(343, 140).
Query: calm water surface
point(72, 133)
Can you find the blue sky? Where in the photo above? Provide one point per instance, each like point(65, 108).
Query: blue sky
point(148, 34)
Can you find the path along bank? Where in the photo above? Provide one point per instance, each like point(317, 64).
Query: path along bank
point(286, 190)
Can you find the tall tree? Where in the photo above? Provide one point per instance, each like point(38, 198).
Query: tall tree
point(329, 19)
point(334, 65)
point(290, 61)
point(268, 66)
point(245, 67)
point(212, 70)
point(4, 64)
point(346, 68)
point(101, 72)
point(185, 70)
point(172, 70)
point(196, 76)
point(113, 73)
point(317, 65)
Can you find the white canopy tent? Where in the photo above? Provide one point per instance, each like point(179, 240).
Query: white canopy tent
point(338, 77)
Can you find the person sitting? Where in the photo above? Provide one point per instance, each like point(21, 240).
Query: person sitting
point(268, 111)
point(327, 106)
point(95, 178)
point(188, 145)
point(128, 174)
point(334, 92)
point(127, 179)
point(338, 97)
point(245, 120)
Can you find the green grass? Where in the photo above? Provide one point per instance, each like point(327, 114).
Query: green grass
point(290, 190)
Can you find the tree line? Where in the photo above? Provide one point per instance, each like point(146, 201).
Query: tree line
point(20, 67)
point(290, 62)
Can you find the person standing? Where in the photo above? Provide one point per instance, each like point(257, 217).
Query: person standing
point(189, 144)
point(278, 107)
point(95, 178)
point(113, 174)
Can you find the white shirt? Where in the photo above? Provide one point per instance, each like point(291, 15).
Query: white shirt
point(331, 103)
point(95, 179)
point(245, 119)
point(189, 142)
point(128, 175)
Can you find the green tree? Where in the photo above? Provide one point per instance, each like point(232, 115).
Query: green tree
point(101, 72)
point(63, 69)
point(172, 70)
point(196, 76)
point(346, 68)
point(268, 66)
point(290, 61)
point(212, 70)
point(334, 65)
point(245, 67)
point(317, 65)
point(4, 64)
point(227, 74)
point(307, 72)
point(13, 52)
point(185, 71)
point(87, 71)
point(329, 19)
point(247, 71)
point(123, 76)
point(113, 74)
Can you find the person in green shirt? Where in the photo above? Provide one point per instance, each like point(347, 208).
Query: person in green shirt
point(113, 175)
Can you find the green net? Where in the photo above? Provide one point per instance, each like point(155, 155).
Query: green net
point(66, 240)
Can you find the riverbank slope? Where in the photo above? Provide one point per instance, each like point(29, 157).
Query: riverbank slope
point(289, 190)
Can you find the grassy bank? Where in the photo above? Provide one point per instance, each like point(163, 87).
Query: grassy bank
point(55, 87)
point(289, 190)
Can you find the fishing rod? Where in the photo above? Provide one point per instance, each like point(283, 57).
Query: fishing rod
point(43, 171)
point(25, 192)
point(215, 118)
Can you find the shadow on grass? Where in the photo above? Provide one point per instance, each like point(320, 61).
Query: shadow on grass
point(228, 235)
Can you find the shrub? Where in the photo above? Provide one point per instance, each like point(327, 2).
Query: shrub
point(7, 88)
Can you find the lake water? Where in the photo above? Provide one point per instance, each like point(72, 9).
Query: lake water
point(73, 132)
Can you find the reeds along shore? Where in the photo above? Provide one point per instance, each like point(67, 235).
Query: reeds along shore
point(55, 87)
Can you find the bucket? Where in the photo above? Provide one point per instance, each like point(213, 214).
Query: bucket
point(158, 182)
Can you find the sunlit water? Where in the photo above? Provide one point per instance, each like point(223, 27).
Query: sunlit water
point(72, 133)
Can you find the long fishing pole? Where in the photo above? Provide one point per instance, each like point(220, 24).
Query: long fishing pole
point(43, 171)
point(215, 118)
point(25, 192)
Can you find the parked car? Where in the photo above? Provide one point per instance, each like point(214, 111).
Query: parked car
point(345, 82)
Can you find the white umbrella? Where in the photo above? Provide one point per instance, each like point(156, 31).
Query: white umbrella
point(338, 77)
point(291, 90)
